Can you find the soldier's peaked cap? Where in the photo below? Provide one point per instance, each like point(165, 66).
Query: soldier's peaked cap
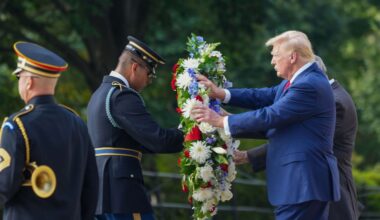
point(142, 50)
point(38, 60)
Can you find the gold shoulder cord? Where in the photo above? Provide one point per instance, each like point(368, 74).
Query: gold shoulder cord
point(26, 139)
point(43, 180)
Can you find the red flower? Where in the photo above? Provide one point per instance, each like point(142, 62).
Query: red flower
point(207, 186)
point(194, 135)
point(179, 161)
point(190, 200)
point(185, 188)
point(199, 98)
point(175, 67)
point(224, 146)
point(212, 209)
point(174, 80)
point(224, 167)
point(187, 153)
point(179, 111)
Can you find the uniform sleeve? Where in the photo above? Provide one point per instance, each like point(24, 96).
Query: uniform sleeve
point(257, 157)
point(300, 102)
point(12, 161)
point(253, 98)
point(90, 187)
point(130, 113)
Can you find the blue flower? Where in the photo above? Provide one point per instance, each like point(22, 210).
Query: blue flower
point(193, 89)
point(200, 38)
point(210, 140)
point(214, 105)
point(191, 72)
point(191, 55)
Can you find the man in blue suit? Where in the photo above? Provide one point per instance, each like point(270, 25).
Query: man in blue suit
point(298, 118)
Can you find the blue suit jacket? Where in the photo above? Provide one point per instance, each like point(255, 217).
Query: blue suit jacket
point(299, 124)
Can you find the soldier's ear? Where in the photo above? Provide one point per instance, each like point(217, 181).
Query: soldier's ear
point(29, 83)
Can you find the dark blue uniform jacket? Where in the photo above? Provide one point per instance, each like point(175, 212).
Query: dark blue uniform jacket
point(59, 139)
point(134, 131)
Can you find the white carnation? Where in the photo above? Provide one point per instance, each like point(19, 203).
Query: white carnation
point(202, 194)
point(188, 106)
point(184, 80)
point(190, 63)
point(226, 195)
point(199, 152)
point(206, 128)
point(206, 172)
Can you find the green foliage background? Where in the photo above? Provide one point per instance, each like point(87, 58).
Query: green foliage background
point(91, 34)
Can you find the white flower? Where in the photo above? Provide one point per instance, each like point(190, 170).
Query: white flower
point(206, 128)
point(199, 152)
point(226, 195)
point(208, 205)
point(202, 194)
point(231, 171)
point(184, 80)
point(215, 53)
point(188, 106)
point(219, 150)
point(190, 63)
point(206, 172)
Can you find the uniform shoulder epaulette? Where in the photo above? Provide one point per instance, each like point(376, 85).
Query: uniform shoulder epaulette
point(117, 84)
point(70, 109)
point(27, 109)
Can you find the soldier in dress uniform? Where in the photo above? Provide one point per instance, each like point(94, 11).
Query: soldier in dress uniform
point(47, 163)
point(122, 130)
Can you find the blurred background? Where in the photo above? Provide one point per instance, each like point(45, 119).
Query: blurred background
point(90, 35)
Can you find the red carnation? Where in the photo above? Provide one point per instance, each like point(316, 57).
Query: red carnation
point(224, 167)
point(207, 186)
point(174, 80)
point(194, 135)
point(175, 67)
point(199, 98)
point(179, 161)
point(187, 153)
point(185, 188)
point(179, 111)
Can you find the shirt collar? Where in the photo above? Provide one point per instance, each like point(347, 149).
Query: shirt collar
point(119, 76)
point(300, 70)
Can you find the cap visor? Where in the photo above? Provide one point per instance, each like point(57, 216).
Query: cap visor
point(16, 71)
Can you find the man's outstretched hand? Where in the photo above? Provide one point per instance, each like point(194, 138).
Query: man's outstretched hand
point(213, 91)
point(205, 114)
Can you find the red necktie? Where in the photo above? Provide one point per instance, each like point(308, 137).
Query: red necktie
point(286, 86)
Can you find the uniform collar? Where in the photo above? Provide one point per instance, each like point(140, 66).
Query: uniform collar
point(119, 76)
point(42, 99)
